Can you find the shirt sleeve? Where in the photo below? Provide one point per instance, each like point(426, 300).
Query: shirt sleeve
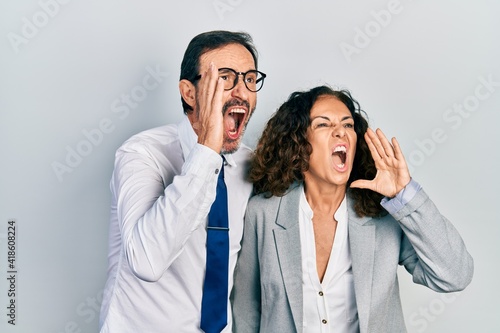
point(393, 205)
point(155, 218)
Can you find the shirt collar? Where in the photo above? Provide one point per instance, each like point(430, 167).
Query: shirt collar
point(341, 213)
point(230, 159)
point(304, 205)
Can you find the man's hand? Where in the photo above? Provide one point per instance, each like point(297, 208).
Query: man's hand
point(210, 120)
point(392, 171)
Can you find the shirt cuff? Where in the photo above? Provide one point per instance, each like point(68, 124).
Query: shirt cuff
point(202, 161)
point(393, 205)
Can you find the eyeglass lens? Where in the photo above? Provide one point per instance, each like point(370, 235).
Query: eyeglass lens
point(253, 79)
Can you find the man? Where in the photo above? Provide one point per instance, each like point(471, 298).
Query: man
point(163, 187)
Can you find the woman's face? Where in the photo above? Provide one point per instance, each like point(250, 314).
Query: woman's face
point(333, 140)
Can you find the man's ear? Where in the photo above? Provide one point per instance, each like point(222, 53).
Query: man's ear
point(188, 92)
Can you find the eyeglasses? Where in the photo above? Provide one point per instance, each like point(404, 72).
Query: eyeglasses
point(253, 79)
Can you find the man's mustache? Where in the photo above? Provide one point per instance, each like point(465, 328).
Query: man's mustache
point(235, 102)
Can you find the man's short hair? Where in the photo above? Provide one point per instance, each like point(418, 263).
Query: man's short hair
point(206, 42)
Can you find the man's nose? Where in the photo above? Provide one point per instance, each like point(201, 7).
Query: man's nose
point(240, 90)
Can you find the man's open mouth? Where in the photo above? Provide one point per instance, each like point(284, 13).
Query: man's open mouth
point(234, 120)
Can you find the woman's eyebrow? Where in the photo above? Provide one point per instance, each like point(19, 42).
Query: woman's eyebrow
point(322, 117)
point(326, 118)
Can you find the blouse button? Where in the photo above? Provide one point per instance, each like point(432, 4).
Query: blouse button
point(324, 321)
point(320, 293)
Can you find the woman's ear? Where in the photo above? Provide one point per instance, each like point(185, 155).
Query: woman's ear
point(188, 92)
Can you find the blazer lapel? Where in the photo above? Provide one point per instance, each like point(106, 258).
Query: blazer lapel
point(362, 245)
point(287, 239)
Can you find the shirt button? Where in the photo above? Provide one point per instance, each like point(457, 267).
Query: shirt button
point(324, 321)
point(320, 293)
point(216, 171)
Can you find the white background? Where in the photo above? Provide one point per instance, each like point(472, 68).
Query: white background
point(65, 67)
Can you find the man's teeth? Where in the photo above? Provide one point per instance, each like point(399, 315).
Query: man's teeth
point(237, 111)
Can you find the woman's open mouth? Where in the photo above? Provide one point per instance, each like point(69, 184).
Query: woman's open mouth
point(339, 156)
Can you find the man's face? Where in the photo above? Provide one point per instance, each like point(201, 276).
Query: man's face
point(239, 102)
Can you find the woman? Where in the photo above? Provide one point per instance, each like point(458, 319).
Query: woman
point(336, 213)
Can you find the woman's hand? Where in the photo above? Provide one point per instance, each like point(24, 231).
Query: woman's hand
point(392, 171)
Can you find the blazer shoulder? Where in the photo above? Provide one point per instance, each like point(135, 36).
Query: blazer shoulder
point(262, 202)
point(266, 200)
point(263, 207)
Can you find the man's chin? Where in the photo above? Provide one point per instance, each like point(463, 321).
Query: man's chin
point(230, 146)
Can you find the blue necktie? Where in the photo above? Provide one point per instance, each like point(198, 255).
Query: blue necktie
point(215, 289)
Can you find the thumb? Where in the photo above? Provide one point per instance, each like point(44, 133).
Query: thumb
point(362, 183)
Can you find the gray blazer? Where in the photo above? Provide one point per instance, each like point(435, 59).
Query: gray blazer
point(267, 293)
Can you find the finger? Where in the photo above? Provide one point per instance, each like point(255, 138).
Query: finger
point(362, 183)
point(398, 152)
point(207, 85)
point(376, 153)
point(217, 102)
point(201, 94)
point(388, 149)
point(206, 77)
point(210, 83)
point(213, 76)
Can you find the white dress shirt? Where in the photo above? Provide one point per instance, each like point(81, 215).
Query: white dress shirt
point(162, 188)
point(330, 305)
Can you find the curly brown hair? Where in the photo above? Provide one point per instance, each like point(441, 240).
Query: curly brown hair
point(282, 153)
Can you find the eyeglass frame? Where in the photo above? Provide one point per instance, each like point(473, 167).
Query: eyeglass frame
point(263, 76)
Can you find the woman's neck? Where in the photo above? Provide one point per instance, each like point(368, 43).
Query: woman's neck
point(324, 199)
